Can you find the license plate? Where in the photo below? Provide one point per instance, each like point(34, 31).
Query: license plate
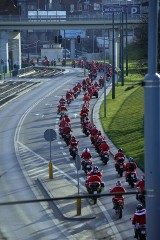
point(88, 166)
point(132, 175)
point(94, 192)
point(121, 166)
point(143, 232)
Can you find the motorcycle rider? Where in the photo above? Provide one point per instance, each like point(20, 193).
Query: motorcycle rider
point(118, 188)
point(67, 119)
point(139, 219)
point(103, 147)
point(69, 96)
point(98, 140)
point(93, 132)
point(130, 167)
point(84, 110)
point(86, 97)
point(141, 183)
point(61, 108)
point(75, 89)
point(86, 124)
point(92, 178)
point(86, 154)
point(73, 143)
point(117, 156)
point(62, 100)
point(67, 130)
point(141, 187)
point(95, 171)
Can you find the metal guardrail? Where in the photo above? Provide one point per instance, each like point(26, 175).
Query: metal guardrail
point(25, 70)
point(83, 18)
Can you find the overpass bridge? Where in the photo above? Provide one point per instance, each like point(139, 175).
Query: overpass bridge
point(10, 27)
point(68, 23)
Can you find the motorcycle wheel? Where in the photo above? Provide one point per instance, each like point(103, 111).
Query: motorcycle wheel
point(142, 237)
point(120, 211)
point(94, 200)
point(74, 156)
point(105, 162)
point(120, 173)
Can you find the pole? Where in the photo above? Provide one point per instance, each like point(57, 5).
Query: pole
point(50, 165)
point(113, 60)
point(104, 77)
point(126, 46)
point(122, 53)
point(152, 127)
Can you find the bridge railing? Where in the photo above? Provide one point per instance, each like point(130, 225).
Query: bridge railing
point(81, 18)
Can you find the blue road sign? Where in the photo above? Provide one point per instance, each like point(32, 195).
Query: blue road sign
point(50, 135)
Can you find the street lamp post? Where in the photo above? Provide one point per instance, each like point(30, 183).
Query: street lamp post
point(105, 108)
point(122, 51)
point(126, 47)
point(113, 59)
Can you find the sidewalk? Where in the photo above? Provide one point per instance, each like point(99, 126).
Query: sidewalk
point(62, 187)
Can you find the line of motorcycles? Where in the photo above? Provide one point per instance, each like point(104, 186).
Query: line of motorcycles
point(97, 187)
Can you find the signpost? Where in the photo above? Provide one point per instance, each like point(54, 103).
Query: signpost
point(50, 135)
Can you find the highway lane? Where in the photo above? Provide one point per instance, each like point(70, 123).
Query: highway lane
point(25, 221)
point(39, 113)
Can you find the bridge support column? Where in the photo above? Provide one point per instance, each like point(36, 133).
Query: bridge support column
point(72, 48)
point(16, 49)
point(4, 51)
point(116, 47)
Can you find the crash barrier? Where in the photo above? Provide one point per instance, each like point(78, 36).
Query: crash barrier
point(24, 70)
point(66, 198)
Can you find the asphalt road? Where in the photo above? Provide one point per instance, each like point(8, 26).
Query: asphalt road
point(23, 157)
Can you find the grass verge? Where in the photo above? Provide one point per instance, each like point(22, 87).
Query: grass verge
point(124, 121)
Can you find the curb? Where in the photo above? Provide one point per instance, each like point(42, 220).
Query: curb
point(56, 204)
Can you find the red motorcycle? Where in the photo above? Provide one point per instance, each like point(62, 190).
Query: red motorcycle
point(119, 205)
point(120, 166)
point(86, 165)
point(95, 188)
point(105, 157)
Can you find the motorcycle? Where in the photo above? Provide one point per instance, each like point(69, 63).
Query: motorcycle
point(69, 101)
point(74, 150)
point(73, 65)
point(86, 165)
point(95, 188)
point(86, 131)
point(95, 93)
point(120, 166)
point(141, 232)
point(119, 205)
point(105, 157)
point(140, 196)
point(131, 178)
point(67, 138)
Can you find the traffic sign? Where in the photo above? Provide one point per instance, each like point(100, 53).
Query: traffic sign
point(50, 135)
point(132, 9)
point(78, 162)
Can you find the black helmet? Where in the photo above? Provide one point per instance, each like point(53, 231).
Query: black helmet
point(120, 150)
point(139, 207)
point(99, 133)
point(130, 159)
